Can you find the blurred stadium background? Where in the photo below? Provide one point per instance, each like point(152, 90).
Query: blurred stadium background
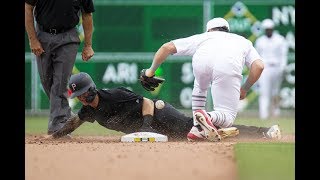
point(127, 33)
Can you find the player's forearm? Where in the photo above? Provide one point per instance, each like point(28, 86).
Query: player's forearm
point(72, 124)
point(87, 23)
point(29, 21)
point(147, 106)
point(163, 52)
point(254, 74)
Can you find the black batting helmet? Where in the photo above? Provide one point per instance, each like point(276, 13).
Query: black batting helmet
point(80, 83)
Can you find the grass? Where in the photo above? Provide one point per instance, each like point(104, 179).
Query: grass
point(265, 161)
point(38, 125)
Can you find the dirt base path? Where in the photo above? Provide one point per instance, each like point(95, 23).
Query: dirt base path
point(105, 158)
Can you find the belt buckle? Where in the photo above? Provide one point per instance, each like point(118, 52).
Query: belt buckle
point(53, 31)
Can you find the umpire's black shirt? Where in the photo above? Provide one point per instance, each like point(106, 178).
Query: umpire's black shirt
point(60, 14)
point(118, 109)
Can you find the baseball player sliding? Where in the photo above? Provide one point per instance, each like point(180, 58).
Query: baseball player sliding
point(122, 110)
point(218, 58)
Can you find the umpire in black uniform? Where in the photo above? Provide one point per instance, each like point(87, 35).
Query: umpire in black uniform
point(122, 110)
point(54, 40)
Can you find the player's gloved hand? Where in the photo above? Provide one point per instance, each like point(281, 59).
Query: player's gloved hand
point(149, 83)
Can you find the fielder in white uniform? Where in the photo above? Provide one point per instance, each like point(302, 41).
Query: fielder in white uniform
point(218, 58)
point(273, 49)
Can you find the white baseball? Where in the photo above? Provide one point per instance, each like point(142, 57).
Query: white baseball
point(159, 104)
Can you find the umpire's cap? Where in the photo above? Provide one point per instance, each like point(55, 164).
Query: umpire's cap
point(80, 83)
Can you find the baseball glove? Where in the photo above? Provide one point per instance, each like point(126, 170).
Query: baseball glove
point(149, 83)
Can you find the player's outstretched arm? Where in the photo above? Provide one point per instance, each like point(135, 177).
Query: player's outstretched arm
point(160, 56)
point(72, 124)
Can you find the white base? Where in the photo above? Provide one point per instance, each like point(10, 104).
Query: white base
point(144, 137)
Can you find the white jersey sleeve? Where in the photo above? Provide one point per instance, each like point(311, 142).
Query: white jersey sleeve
point(251, 56)
point(187, 46)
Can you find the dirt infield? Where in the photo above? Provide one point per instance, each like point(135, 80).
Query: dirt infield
point(102, 158)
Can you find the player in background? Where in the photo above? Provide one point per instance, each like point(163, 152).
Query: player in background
point(123, 110)
point(274, 51)
point(218, 58)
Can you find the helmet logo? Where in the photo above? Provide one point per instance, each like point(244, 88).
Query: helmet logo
point(73, 85)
